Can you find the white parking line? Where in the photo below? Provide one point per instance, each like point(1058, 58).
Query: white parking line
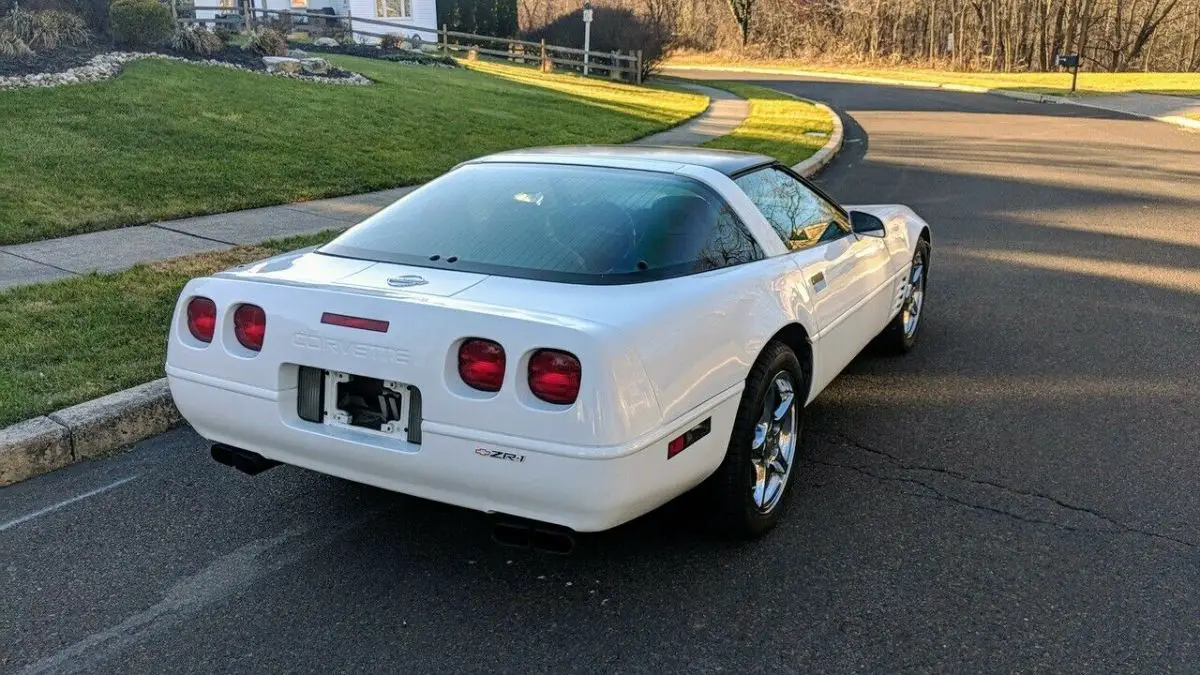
point(72, 500)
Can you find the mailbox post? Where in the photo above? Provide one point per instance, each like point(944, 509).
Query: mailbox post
point(1069, 61)
point(587, 33)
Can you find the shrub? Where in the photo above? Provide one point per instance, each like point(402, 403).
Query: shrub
point(198, 40)
point(139, 24)
point(613, 28)
point(223, 34)
point(422, 59)
point(93, 12)
point(391, 41)
point(44, 31)
point(483, 17)
point(13, 47)
point(281, 23)
point(268, 42)
point(20, 24)
point(59, 28)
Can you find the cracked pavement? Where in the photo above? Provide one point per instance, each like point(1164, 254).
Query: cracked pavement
point(939, 483)
point(1019, 494)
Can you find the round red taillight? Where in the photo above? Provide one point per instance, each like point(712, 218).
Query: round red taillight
point(250, 326)
point(481, 364)
point(554, 376)
point(202, 318)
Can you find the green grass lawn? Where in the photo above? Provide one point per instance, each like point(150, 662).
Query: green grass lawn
point(778, 125)
point(72, 340)
point(1179, 84)
point(167, 140)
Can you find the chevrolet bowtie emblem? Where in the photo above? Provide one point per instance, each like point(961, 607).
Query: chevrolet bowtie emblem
point(406, 281)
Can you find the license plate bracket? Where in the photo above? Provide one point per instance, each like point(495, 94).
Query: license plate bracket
point(368, 403)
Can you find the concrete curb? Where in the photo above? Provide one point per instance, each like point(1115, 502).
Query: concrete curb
point(813, 165)
point(89, 430)
point(1183, 122)
point(32, 447)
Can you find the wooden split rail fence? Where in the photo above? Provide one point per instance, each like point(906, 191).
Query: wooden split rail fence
point(617, 65)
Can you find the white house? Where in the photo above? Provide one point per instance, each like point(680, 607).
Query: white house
point(402, 13)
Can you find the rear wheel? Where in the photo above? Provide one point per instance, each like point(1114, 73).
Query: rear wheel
point(900, 336)
point(749, 491)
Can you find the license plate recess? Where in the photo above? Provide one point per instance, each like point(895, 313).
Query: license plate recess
point(371, 404)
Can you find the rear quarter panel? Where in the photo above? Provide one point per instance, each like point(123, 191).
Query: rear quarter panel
point(696, 336)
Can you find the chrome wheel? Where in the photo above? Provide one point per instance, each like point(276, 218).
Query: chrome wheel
point(773, 449)
point(914, 297)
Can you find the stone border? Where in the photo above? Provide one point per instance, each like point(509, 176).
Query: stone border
point(110, 64)
point(1189, 124)
point(90, 430)
point(102, 426)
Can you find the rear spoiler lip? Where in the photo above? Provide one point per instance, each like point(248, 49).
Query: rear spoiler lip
point(449, 302)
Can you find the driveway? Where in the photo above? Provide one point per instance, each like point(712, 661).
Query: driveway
point(1019, 494)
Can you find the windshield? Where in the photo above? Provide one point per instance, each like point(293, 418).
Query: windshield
point(574, 224)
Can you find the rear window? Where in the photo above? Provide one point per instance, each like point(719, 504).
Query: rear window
point(572, 224)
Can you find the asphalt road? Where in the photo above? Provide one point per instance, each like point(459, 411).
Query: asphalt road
point(1020, 494)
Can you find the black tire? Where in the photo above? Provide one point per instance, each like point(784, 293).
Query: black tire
point(730, 489)
point(895, 339)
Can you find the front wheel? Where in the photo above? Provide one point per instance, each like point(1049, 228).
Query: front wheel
point(750, 488)
point(900, 336)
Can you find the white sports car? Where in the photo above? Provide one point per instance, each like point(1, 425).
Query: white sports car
point(571, 335)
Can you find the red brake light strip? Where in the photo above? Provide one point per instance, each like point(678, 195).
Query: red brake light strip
point(354, 322)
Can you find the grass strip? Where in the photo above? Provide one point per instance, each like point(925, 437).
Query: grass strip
point(75, 339)
point(1090, 84)
point(786, 128)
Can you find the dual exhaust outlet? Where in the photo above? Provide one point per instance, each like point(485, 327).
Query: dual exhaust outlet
point(250, 463)
point(506, 531)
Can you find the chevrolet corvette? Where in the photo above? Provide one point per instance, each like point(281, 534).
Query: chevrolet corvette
point(572, 335)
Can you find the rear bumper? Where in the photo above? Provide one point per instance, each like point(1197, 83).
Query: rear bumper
point(585, 488)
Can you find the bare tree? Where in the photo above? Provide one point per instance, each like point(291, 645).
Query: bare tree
point(743, 12)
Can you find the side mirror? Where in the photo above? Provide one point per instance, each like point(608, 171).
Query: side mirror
point(865, 223)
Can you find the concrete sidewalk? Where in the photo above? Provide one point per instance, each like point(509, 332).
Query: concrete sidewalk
point(1170, 109)
point(114, 250)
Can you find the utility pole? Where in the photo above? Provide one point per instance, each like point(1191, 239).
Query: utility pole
point(587, 33)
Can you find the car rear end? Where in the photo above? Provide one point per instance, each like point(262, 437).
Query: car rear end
point(379, 359)
point(484, 407)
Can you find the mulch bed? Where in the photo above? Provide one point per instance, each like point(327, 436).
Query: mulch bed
point(243, 58)
point(372, 52)
point(65, 58)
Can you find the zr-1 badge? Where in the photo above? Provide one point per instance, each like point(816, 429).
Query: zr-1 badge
point(497, 454)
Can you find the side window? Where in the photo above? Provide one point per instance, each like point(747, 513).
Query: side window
point(801, 218)
point(728, 243)
point(700, 231)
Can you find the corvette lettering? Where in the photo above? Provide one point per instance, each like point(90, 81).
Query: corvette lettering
point(498, 454)
point(360, 350)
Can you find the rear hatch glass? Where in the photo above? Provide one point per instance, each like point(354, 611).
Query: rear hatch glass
point(573, 224)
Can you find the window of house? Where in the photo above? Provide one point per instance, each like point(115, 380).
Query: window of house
point(393, 8)
point(299, 4)
point(800, 216)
